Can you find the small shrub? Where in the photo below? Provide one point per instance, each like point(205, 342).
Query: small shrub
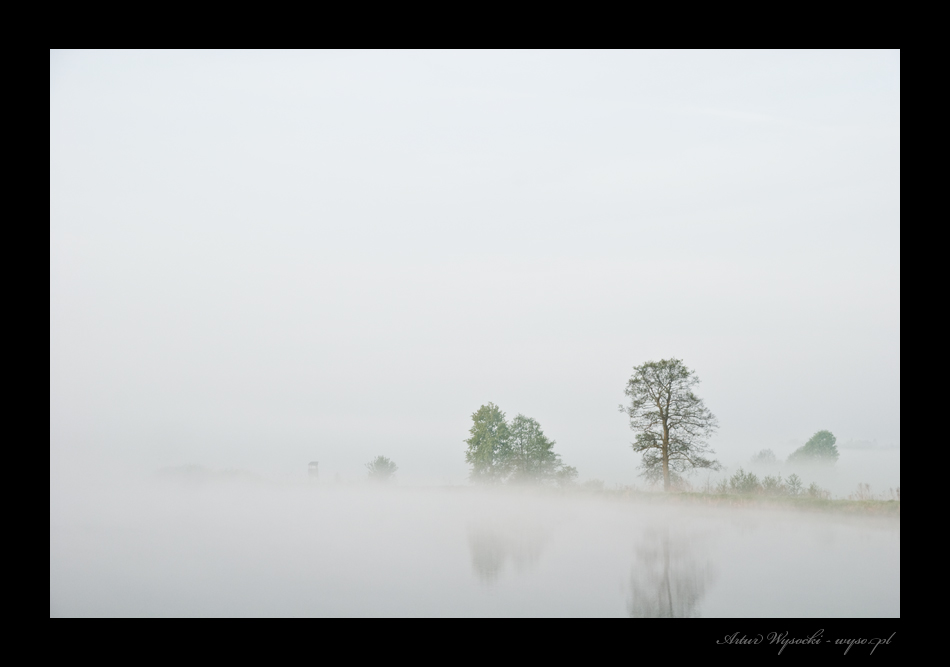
point(793, 485)
point(815, 491)
point(772, 486)
point(863, 493)
point(743, 482)
point(566, 476)
point(682, 485)
point(381, 469)
point(596, 485)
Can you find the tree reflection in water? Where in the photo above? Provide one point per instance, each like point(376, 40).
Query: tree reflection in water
point(492, 545)
point(668, 579)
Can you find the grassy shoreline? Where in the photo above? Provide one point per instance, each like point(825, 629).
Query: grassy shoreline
point(754, 500)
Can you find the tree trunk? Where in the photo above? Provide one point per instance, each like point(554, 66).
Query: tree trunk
point(666, 456)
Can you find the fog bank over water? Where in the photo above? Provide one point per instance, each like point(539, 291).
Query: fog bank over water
point(262, 259)
point(244, 548)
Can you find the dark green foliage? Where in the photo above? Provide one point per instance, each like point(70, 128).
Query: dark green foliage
point(381, 469)
point(819, 449)
point(672, 423)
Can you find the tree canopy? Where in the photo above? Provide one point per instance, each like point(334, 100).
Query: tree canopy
point(532, 453)
point(820, 448)
point(488, 449)
point(381, 469)
point(514, 452)
point(672, 423)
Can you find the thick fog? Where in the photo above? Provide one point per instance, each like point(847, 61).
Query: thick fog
point(253, 549)
point(260, 260)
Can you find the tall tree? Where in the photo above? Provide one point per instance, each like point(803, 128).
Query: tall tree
point(532, 453)
point(488, 448)
point(671, 422)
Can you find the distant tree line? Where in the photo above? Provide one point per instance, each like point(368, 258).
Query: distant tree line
point(743, 482)
point(672, 426)
point(820, 448)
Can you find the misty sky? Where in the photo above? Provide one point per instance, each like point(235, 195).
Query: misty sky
point(262, 259)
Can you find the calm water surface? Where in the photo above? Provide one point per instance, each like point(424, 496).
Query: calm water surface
point(244, 550)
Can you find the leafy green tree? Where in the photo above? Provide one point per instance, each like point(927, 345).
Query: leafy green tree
point(671, 422)
point(819, 449)
point(489, 452)
point(381, 469)
point(532, 457)
point(514, 452)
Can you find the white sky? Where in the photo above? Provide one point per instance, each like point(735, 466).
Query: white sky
point(262, 259)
